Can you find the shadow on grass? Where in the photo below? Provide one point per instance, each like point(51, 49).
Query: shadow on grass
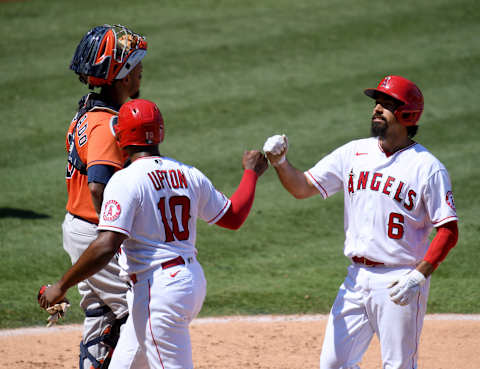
point(21, 213)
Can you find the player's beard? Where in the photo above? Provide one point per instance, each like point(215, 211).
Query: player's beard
point(379, 129)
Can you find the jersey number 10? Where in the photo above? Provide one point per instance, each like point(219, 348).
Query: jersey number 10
point(174, 232)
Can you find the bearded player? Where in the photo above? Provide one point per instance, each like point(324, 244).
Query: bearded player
point(395, 193)
point(108, 58)
point(152, 208)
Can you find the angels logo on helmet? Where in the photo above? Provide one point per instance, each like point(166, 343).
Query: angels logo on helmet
point(385, 81)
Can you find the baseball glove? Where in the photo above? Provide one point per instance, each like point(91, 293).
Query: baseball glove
point(56, 311)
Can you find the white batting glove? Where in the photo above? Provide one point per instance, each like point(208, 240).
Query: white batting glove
point(276, 145)
point(404, 288)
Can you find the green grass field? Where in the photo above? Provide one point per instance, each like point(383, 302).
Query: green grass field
point(226, 75)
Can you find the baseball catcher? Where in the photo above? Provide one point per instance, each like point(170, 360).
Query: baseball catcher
point(108, 58)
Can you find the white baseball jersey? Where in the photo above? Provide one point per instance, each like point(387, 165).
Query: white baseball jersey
point(392, 202)
point(155, 202)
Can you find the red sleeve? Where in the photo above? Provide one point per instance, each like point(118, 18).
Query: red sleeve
point(445, 239)
point(242, 201)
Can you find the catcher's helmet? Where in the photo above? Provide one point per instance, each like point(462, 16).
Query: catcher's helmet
point(406, 92)
point(107, 53)
point(139, 123)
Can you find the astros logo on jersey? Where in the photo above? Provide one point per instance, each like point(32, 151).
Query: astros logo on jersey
point(112, 211)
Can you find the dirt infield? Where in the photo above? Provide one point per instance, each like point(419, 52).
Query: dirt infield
point(286, 342)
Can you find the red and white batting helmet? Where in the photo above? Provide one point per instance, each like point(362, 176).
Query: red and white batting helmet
point(107, 53)
point(406, 92)
point(139, 123)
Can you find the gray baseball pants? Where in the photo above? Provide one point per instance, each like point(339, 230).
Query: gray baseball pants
point(103, 295)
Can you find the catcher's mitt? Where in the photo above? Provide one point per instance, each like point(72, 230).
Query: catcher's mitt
point(56, 311)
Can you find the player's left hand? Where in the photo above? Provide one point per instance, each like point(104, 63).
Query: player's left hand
point(404, 288)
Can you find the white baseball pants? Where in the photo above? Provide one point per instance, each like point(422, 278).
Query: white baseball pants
point(363, 308)
point(162, 303)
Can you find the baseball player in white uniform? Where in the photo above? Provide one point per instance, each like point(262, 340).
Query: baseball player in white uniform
point(150, 208)
point(395, 193)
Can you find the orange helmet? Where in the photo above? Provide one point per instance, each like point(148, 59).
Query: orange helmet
point(139, 123)
point(406, 92)
point(107, 53)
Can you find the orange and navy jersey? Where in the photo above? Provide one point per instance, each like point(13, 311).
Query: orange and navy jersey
point(90, 141)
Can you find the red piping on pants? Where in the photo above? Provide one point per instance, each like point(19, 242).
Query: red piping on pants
point(150, 325)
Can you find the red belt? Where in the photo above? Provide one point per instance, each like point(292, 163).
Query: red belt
point(165, 265)
point(171, 263)
point(365, 261)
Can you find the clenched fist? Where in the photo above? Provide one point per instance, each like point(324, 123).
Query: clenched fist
point(255, 160)
point(275, 147)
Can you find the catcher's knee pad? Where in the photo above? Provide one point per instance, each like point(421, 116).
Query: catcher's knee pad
point(97, 352)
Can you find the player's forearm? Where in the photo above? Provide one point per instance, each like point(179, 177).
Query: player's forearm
point(94, 258)
point(241, 202)
point(425, 268)
point(294, 181)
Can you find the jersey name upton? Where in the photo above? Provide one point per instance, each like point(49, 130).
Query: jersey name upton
point(173, 178)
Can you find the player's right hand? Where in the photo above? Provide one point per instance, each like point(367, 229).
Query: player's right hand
point(50, 295)
point(56, 310)
point(256, 161)
point(275, 147)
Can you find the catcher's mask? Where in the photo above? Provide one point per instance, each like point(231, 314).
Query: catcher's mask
point(139, 123)
point(406, 93)
point(107, 53)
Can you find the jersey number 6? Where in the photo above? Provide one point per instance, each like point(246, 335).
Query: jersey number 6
point(183, 203)
point(395, 226)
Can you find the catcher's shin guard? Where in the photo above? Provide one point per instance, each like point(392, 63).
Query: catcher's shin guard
point(111, 339)
point(102, 345)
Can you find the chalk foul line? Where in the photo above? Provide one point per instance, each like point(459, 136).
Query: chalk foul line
point(227, 319)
